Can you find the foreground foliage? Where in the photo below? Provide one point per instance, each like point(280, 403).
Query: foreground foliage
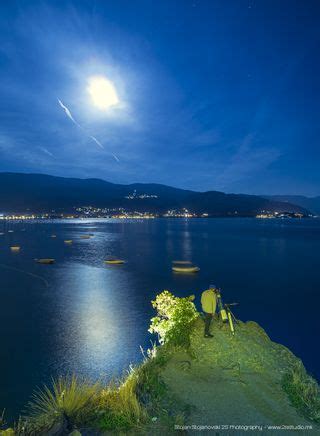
point(68, 403)
point(139, 403)
point(131, 403)
point(72, 403)
point(303, 392)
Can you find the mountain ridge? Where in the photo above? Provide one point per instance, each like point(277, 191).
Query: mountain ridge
point(310, 203)
point(20, 192)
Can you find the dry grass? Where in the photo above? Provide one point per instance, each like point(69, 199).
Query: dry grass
point(72, 403)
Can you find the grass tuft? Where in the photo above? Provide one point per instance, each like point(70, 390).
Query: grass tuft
point(68, 402)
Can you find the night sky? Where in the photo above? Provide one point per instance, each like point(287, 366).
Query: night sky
point(212, 95)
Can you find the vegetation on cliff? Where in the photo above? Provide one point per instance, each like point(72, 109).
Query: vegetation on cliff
point(241, 379)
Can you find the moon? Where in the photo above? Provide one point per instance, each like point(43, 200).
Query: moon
point(102, 92)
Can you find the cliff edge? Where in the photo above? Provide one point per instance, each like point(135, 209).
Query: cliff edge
point(234, 384)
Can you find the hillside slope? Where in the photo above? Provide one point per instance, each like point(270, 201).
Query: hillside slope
point(234, 381)
point(44, 193)
point(310, 203)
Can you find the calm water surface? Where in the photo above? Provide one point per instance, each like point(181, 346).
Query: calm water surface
point(80, 315)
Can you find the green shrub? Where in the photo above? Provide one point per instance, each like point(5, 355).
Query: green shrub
point(174, 319)
point(111, 421)
point(303, 392)
point(119, 407)
point(150, 388)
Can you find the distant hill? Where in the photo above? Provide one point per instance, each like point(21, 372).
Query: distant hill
point(310, 203)
point(21, 192)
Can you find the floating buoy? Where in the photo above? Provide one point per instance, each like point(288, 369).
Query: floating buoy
point(15, 248)
point(85, 236)
point(10, 231)
point(185, 269)
point(68, 241)
point(45, 261)
point(184, 266)
point(114, 261)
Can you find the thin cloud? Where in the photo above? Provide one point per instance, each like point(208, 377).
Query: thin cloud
point(46, 151)
point(96, 141)
point(69, 115)
point(100, 145)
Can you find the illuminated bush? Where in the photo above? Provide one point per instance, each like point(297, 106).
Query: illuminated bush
point(174, 319)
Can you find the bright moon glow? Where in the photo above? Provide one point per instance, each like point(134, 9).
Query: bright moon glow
point(102, 92)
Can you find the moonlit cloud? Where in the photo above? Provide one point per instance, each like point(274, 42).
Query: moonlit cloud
point(101, 146)
point(69, 115)
point(180, 119)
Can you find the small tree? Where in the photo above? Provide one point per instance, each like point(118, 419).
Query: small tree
point(174, 319)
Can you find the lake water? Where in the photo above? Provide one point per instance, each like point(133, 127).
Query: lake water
point(80, 315)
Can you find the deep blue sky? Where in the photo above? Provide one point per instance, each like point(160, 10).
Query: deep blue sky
point(217, 95)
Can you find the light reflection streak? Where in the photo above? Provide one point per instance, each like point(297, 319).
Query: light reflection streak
point(92, 333)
